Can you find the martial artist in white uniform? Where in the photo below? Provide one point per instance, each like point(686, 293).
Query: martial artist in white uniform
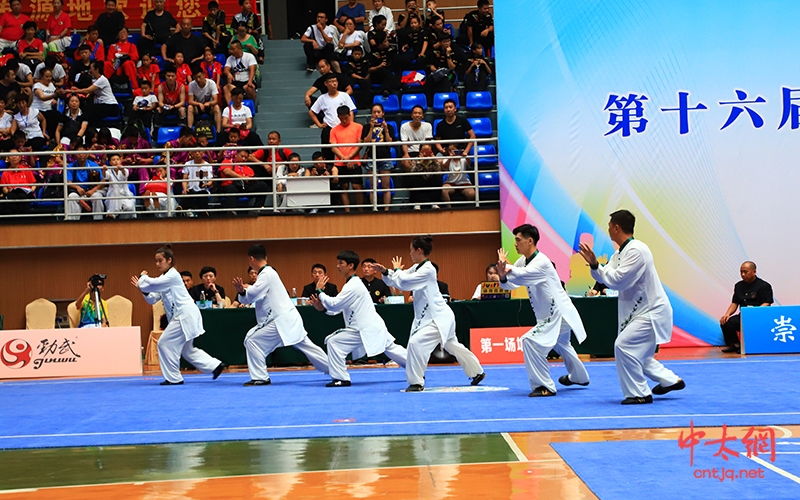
point(364, 333)
point(556, 315)
point(644, 312)
point(185, 322)
point(278, 323)
point(434, 321)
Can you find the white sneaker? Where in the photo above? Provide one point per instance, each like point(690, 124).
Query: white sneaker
point(313, 211)
point(435, 207)
point(417, 207)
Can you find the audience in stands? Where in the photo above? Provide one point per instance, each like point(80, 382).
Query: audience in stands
point(479, 26)
point(11, 25)
point(171, 98)
point(203, 99)
point(476, 76)
point(185, 42)
point(379, 9)
point(237, 182)
point(83, 185)
point(324, 68)
point(319, 41)
point(328, 105)
point(148, 70)
point(16, 186)
point(6, 127)
point(240, 71)
point(453, 127)
point(122, 57)
point(197, 183)
point(412, 10)
point(73, 123)
point(120, 202)
point(212, 68)
point(58, 28)
point(426, 184)
point(352, 9)
point(215, 29)
point(157, 26)
point(237, 115)
point(347, 131)
point(415, 130)
point(32, 123)
point(109, 23)
point(144, 106)
point(45, 100)
point(380, 132)
point(30, 48)
point(105, 103)
point(457, 180)
point(155, 194)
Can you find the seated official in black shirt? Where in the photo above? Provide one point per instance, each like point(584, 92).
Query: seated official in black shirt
point(318, 271)
point(752, 291)
point(453, 127)
point(208, 289)
point(375, 285)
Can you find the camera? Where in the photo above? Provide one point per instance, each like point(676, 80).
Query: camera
point(378, 121)
point(97, 280)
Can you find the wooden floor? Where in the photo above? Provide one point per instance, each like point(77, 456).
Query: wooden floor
point(505, 466)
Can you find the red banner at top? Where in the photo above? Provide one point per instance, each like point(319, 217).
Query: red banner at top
point(84, 12)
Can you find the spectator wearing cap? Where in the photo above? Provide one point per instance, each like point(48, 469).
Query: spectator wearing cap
point(329, 105)
point(348, 156)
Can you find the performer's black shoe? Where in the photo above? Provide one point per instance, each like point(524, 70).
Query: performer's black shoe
point(257, 382)
point(415, 388)
point(478, 378)
point(541, 392)
point(167, 382)
point(732, 349)
point(218, 371)
point(564, 380)
point(338, 383)
point(638, 400)
point(658, 390)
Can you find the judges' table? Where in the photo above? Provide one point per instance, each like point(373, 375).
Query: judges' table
point(226, 328)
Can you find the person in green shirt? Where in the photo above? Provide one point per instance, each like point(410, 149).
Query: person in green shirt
point(85, 303)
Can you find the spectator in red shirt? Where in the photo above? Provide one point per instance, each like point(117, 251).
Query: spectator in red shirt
point(97, 50)
point(16, 199)
point(59, 29)
point(347, 157)
point(149, 71)
point(30, 48)
point(11, 24)
point(236, 181)
point(183, 73)
point(123, 57)
point(211, 67)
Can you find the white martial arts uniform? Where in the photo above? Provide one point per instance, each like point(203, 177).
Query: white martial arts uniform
point(644, 315)
point(364, 333)
point(185, 324)
point(434, 323)
point(278, 324)
point(556, 316)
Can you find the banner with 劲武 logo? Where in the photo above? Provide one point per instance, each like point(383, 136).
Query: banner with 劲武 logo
point(74, 352)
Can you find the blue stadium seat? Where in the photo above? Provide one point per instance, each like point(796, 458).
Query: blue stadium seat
point(220, 58)
point(391, 104)
point(481, 126)
point(435, 123)
point(479, 101)
point(160, 62)
point(395, 130)
point(449, 27)
point(488, 182)
point(115, 119)
point(415, 84)
point(134, 37)
point(74, 44)
point(167, 134)
point(368, 184)
point(438, 100)
point(487, 155)
point(408, 102)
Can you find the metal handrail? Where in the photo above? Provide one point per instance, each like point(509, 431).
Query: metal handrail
point(369, 159)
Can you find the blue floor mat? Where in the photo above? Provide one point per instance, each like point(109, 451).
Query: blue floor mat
point(136, 410)
point(622, 470)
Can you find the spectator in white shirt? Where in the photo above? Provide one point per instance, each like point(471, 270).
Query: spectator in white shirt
point(328, 104)
point(240, 70)
point(457, 179)
point(105, 104)
point(238, 115)
point(319, 41)
point(382, 10)
point(203, 98)
point(197, 175)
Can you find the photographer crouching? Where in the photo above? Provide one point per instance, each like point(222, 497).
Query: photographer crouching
point(88, 301)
